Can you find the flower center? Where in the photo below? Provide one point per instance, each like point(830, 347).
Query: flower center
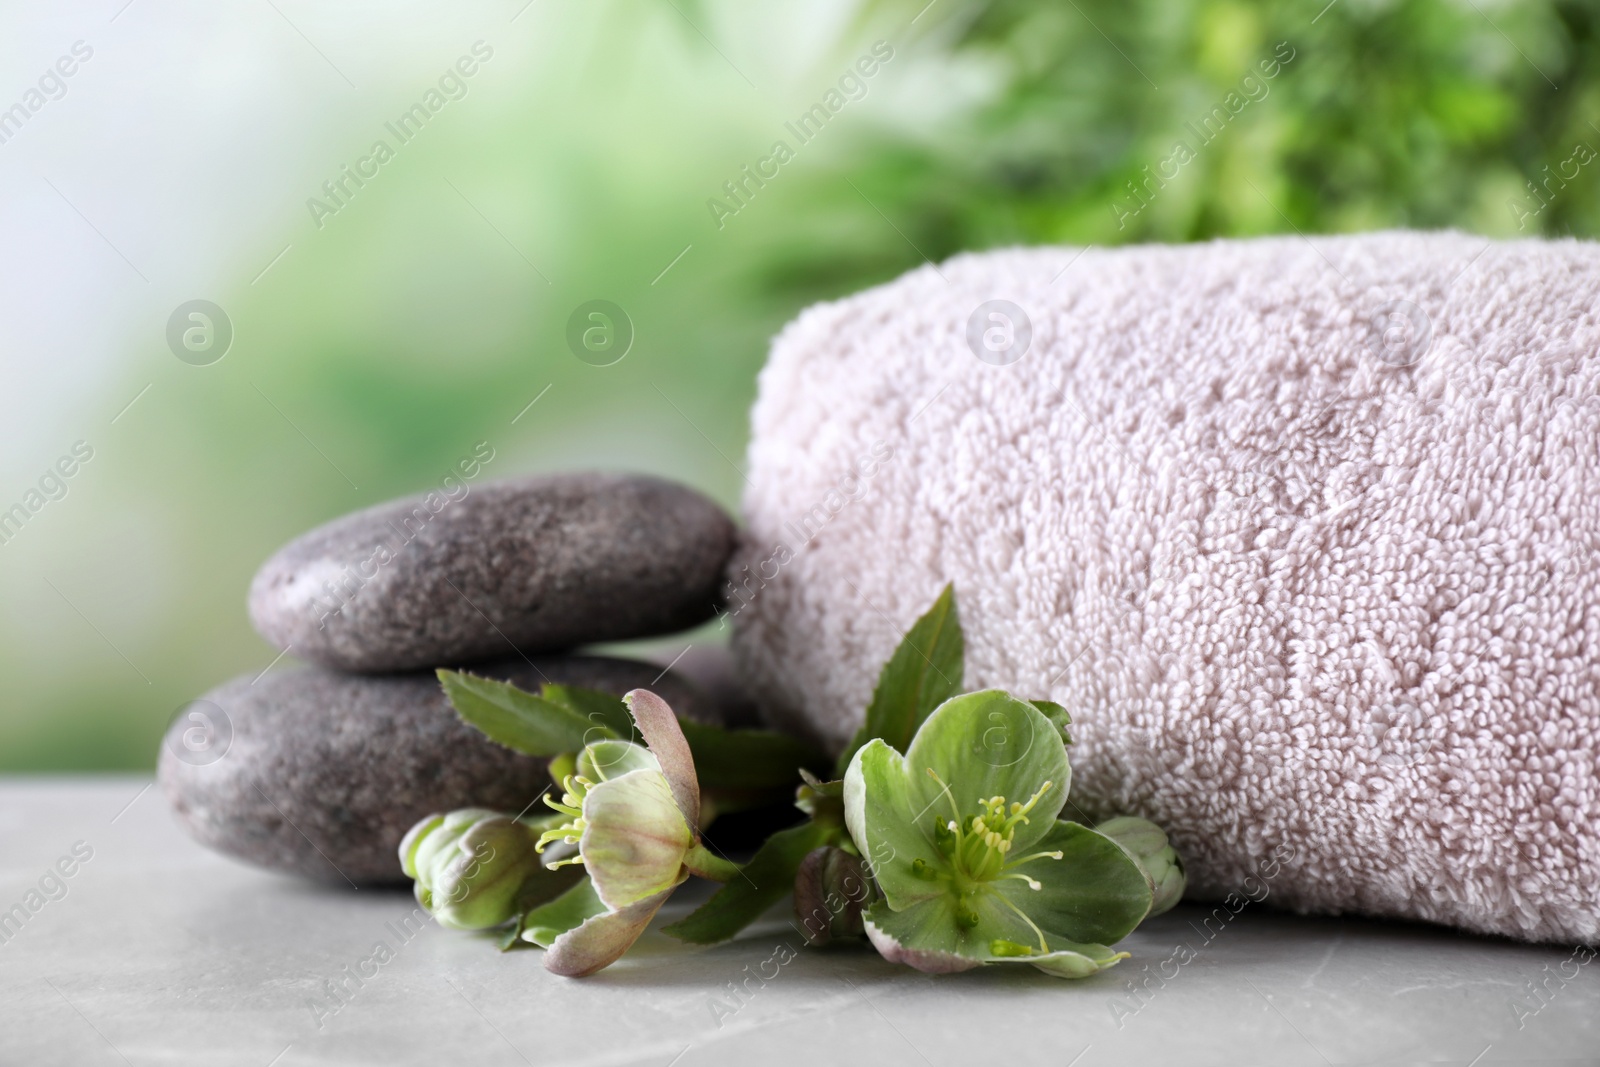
point(977, 848)
point(574, 788)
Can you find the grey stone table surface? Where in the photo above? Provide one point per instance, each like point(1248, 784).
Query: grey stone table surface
point(154, 951)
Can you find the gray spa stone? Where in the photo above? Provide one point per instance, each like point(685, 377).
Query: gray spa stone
point(318, 773)
point(532, 565)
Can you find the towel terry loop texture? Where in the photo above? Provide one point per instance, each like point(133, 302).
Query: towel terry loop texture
point(1304, 532)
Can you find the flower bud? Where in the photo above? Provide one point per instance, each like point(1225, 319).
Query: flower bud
point(1147, 844)
point(830, 890)
point(469, 866)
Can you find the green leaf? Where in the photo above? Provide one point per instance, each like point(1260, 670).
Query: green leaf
point(600, 708)
point(761, 883)
point(748, 759)
point(727, 760)
point(1058, 715)
point(518, 719)
point(923, 673)
point(510, 938)
point(569, 911)
point(823, 801)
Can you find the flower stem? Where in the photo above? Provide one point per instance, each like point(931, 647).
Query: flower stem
point(707, 864)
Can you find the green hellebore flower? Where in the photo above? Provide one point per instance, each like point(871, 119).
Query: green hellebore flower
point(470, 866)
point(972, 877)
point(634, 814)
point(1147, 844)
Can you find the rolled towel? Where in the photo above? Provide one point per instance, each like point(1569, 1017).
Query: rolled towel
point(1304, 532)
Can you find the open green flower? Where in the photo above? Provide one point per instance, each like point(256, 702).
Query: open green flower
point(470, 866)
point(963, 839)
point(633, 813)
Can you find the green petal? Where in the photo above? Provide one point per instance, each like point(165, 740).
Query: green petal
point(931, 924)
point(413, 840)
point(569, 911)
point(636, 837)
point(431, 844)
point(924, 936)
point(1139, 836)
point(602, 939)
point(661, 732)
point(1068, 960)
point(1096, 893)
point(613, 759)
point(891, 821)
point(988, 744)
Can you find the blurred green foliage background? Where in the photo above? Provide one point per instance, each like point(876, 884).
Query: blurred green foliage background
point(428, 312)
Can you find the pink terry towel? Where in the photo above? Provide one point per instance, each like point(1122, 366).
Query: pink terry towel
point(1304, 532)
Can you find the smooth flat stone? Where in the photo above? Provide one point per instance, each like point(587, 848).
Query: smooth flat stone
point(320, 773)
point(532, 565)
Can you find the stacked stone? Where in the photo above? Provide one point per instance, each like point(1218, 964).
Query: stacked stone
point(321, 769)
